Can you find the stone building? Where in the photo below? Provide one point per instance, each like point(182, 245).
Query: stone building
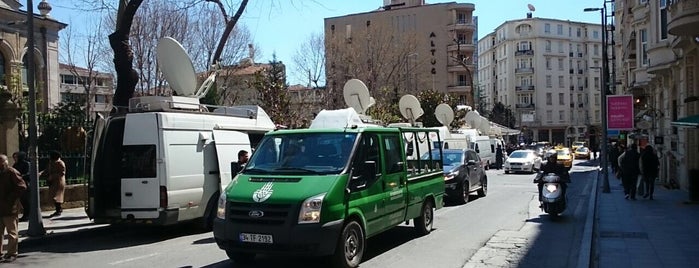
point(547, 71)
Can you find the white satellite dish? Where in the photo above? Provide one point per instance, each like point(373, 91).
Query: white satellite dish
point(356, 95)
point(444, 114)
point(410, 108)
point(176, 66)
point(472, 118)
point(484, 125)
point(531, 7)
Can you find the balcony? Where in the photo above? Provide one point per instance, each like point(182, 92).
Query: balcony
point(459, 88)
point(461, 47)
point(527, 52)
point(524, 105)
point(455, 67)
point(463, 25)
point(524, 70)
point(683, 17)
point(524, 88)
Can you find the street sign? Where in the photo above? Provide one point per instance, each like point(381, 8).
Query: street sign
point(620, 112)
point(613, 133)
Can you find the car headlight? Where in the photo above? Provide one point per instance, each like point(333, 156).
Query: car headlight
point(451, 175)
point(310, 209)
point(221, 210)
point(550, 187)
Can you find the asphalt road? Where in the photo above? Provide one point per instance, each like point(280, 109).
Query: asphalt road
point(504, 229)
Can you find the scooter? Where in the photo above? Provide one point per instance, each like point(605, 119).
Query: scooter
point(553, 193)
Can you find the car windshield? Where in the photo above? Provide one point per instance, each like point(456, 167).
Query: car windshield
point(582, 150)
point(563, 152)
point(309, 153)
point(578, 144)
point(519, 155)
point(451, 158)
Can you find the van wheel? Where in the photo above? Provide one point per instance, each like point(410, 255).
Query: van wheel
point(484, 187)
point(423, 224)
point(240, 257)
point(350, 247)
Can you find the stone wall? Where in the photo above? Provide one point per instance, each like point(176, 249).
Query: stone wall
point(75, 196)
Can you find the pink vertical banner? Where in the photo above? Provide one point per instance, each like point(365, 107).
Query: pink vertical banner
point(620, 112)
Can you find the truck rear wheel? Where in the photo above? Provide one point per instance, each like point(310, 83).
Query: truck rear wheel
point(240, 257)
point(350, 246)
point(423, 224)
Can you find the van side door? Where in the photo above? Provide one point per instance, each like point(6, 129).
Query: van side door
point(394, 178)
point(366, 186)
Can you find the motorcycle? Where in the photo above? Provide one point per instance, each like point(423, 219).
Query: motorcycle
point(552, 193)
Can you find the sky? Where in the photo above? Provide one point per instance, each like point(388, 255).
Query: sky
point(280, 26)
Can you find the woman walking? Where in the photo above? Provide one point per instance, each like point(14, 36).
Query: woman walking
point(649, 167)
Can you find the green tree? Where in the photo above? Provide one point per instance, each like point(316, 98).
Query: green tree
point(273, 95)
point(59, 119)
point(502, 115)
point(212, 97)
point(429, 99)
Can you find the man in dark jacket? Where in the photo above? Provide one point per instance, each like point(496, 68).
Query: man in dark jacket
point(629, 171)
point(650, 165)
point(552, 166)
point(11, 188)
point(22, 165)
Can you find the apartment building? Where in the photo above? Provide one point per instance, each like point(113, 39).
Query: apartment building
point(658, 53)
point(547, 71)
point(406, 46)
point(80, 84)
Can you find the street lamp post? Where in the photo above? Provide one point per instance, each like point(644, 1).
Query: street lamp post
point(603, 96)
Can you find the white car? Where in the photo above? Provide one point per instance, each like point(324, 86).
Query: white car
point(522, 161)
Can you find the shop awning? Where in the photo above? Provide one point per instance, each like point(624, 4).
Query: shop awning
point(689, 121)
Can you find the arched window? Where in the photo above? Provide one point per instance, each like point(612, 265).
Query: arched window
point(2, 69)
point(25, 67)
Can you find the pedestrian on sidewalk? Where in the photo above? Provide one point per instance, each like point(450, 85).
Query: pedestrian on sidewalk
point(613, 155)
point(11, 188)
point(498, 157)
point(630, 171)
point(55, 174)
point(22, 165)
point(650, 166)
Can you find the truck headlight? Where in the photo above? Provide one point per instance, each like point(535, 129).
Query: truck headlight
point(221, 209)
point(310, 209)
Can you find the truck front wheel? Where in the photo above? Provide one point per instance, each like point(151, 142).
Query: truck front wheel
point(423, 224)
point(240, 257)
point(350, 246)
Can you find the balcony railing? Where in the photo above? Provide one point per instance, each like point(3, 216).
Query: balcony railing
point(528, 52)
point(524, 88)
point(524, 70)
point(525, 105)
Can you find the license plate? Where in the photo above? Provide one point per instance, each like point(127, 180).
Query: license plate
point(256, 238)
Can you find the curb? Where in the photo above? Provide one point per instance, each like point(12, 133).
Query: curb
point(586, 244)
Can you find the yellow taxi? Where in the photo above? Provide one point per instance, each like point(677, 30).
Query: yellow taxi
point(577, 145)
point(564, 156)
point(582, 153)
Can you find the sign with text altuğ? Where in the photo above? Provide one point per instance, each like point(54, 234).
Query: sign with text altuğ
point(620, 112)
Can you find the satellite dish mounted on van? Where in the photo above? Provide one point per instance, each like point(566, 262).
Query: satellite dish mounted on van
point(444, 114)
point(356, 96)
point(410, 108)
point(176, 66)
point(472, 118)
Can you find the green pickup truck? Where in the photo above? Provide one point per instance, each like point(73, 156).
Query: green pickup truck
point(324, 192)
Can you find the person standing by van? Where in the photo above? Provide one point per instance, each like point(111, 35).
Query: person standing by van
point(11, 188)
point(22, 165)
point(498, 157)
point(55, 174)
point(243, 157)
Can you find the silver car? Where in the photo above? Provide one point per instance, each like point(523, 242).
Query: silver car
point(522, 161)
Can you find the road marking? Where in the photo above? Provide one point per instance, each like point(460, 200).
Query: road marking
point(133, 259)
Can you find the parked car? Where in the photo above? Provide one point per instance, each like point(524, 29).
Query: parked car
point(522, 161)
point(464, 173)
point(582, 153)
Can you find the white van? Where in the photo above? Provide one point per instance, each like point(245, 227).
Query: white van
point(485, 149)
point(450, 140)
point(167, 160)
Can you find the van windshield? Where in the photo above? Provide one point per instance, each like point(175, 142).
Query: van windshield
point(303, 153)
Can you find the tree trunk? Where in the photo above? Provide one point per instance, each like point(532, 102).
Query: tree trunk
point(123, 57)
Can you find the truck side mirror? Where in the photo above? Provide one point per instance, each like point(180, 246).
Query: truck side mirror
point(235, 168)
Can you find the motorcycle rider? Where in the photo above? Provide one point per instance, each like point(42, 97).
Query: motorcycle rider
point(552, 166)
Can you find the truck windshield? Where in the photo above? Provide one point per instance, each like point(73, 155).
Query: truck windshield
point(303, 153)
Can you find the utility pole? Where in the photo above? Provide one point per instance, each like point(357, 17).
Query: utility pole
point(36, 226)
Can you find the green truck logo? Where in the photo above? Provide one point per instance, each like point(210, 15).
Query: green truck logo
point(262, 194)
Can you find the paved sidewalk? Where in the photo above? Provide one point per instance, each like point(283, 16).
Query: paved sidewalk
point(645, 233)
point(72, 222)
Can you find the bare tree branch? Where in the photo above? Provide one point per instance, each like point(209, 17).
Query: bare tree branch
point(226, 33)
point(221, 7)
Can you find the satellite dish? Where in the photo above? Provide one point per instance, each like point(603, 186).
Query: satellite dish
point(204, 88)
point(531, 7)
point(176, 66)
point(444, 114)
point(410, 107)
point(483, 125)
point(356, 95)
point(471, 118)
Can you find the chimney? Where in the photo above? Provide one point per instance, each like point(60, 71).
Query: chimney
point(251, 53)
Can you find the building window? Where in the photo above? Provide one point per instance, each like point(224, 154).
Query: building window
point(348, 31)
point(663, 19)
point(578, 32)
point(525, 99)
point(523, 29)
point(597, 83)
point(595, 34)
point(561, 99)
point(548, 46)
point(68, 79)
point(560, 64)
point(597, 99)
point(549, 115)
point(100, 98)
point(570, 31)
point(461, 18)
point(462, 81)
point(595, 49)
point(548, 63)
point(561, 81)
point(561, 117)
point(547, 28)
point(524, 45)
point(2, 69)
point(549, 98)
point(548, 81)
point(559, 29)
point(560, 47)
point(644, 46)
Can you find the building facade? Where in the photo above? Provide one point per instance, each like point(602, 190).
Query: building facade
point(427, 46)
point(547, 72)
point(658, 65)
point(80, 84)
point(13, 53)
